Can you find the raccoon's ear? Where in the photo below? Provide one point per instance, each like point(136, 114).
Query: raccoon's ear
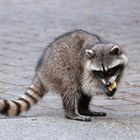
point(90, 54)
point(115, 50)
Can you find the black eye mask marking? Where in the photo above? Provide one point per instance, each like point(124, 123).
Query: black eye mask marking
point(99, 74)
point(109, 73)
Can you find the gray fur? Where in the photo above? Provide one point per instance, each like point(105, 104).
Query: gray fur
point(63, 68)
point(66, 67)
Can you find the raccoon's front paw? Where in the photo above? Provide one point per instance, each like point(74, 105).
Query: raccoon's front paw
point(99, 114)
point(90, 113)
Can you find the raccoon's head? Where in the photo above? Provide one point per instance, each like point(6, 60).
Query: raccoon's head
point(106, 62)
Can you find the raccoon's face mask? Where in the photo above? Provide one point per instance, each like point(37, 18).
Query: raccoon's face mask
point(107, 65)
point(109, 78)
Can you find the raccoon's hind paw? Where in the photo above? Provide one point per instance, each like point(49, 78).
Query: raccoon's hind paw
point(90, 113)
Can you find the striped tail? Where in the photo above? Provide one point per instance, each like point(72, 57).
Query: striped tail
point(24, 103)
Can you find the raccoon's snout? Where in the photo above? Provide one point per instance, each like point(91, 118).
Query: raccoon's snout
point(108, 84)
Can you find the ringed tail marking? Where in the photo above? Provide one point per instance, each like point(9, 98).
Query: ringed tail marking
point(5, 107)
point(14, 108)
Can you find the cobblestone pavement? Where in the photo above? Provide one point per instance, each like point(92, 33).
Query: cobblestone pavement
point(26, 29)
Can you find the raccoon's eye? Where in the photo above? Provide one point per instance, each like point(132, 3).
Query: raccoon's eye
point(110, 72)
point(113, 71)
point(98, 73)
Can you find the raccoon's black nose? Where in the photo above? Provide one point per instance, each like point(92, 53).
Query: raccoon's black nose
point(108, 84)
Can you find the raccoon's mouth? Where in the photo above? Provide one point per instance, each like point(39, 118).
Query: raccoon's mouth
point(110, 90)
point(111, 93)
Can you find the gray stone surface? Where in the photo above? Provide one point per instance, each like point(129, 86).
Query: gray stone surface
point(48, 128)
point(26, 29)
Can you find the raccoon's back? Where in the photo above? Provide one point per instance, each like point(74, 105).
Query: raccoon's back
point(60, 59)
point(66, 50)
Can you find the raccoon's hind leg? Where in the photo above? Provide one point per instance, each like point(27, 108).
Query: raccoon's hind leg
point(70, 99)
point(83, 106)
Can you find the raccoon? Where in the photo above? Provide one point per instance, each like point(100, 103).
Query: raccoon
point(77, 66)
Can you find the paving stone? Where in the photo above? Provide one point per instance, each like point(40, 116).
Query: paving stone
point(101, 101)
point(135, 98)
